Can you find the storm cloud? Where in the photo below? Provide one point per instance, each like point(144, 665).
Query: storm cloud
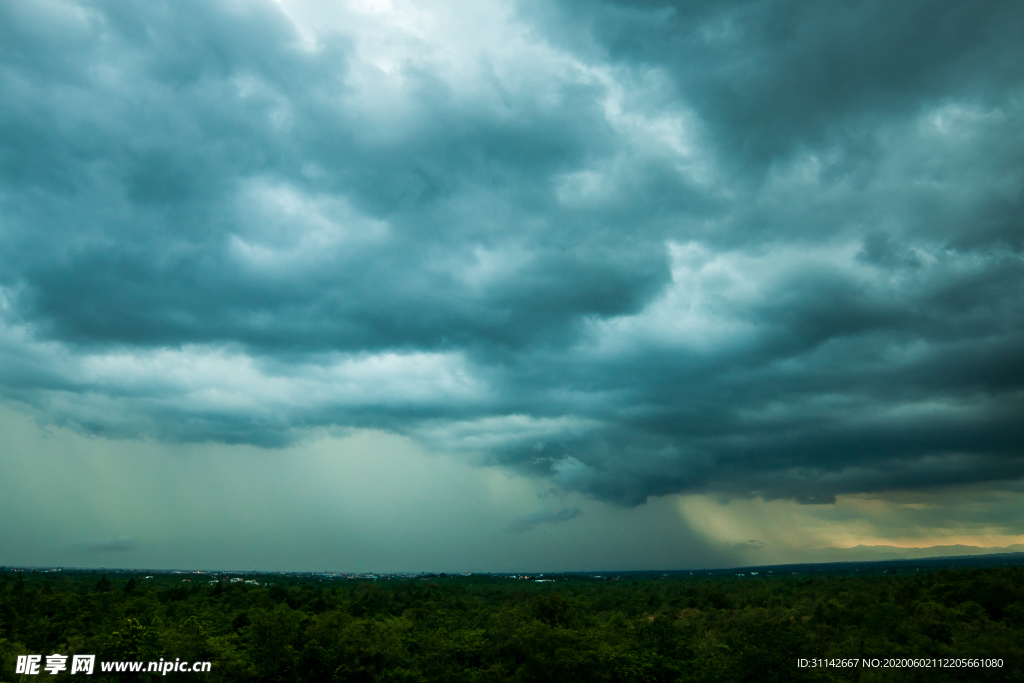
point(747, 248)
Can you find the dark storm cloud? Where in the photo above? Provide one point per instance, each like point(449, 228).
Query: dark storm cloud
point(770, 75)
point(752, 247)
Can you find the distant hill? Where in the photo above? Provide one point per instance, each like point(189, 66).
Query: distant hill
point(871, 553)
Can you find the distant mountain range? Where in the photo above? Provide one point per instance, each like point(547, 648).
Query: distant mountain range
point(871, 553)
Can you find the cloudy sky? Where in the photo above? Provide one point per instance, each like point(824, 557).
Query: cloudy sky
point(495, 285)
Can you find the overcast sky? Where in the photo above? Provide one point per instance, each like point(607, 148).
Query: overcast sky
point(497, 285)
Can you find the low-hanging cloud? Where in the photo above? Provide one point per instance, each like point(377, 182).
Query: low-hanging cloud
point(546, 517)
point(749, 248)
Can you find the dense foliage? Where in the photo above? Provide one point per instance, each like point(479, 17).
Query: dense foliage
point(490, 629)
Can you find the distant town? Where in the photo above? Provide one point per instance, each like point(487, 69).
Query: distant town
point(257, 578)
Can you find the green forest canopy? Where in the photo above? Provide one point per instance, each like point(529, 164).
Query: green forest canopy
point(483, 628)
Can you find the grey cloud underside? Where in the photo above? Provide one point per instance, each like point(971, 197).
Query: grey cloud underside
point(769, 76)
point(819, 292)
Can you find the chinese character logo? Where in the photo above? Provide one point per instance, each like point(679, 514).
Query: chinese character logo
point(56, 663)
point(28, 664)
point(82, 664)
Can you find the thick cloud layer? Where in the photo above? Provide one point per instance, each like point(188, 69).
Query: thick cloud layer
point(749, 248)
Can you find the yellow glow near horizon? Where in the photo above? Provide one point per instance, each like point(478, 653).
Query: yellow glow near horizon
point(901, 520)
